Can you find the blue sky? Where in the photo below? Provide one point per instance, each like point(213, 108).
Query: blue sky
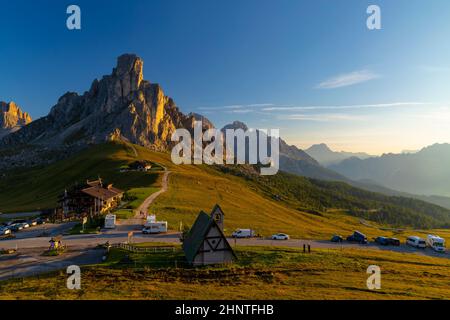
point(310, 68)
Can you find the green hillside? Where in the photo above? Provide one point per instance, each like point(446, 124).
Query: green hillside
point(283, 203)
point(318, 196)
point(38, 188)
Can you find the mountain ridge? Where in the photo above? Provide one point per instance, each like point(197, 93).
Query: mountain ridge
point(423, 173)
point(326, 157)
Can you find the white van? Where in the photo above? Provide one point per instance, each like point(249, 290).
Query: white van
point(155, 227)
point(416, 242)
point(243, 233)
point(436, 243)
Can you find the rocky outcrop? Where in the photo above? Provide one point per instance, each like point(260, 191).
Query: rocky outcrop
point(12, 118)
point(119, 106)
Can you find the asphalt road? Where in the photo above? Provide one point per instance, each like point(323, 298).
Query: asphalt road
point(28, 262)
point(82, 249)
point(25, 240)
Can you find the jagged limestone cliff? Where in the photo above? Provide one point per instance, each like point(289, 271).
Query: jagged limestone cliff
point(119, 106)
point(12, 118)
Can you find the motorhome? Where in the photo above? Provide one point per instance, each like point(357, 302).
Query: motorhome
point(110, 221)
point(436, 243)
point(243, 233)
point(416, 242)
point(152, 226)
point(155, 227)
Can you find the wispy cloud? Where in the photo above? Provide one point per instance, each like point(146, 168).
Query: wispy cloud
point(268, 108)
point(237, 106)
point(355, 106)
point(240, 111)
point(433, 68)
point(321, 117)
point(348, 79)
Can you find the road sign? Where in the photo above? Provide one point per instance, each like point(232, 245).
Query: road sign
point(83, 223)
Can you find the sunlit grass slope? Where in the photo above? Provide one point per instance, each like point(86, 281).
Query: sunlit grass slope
point(38, 188)
point(259, 273)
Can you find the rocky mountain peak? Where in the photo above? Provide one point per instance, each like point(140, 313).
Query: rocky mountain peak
point(119, 106)
point(130, 71)
point(322, 147)
point(11, 116)
point(235, 125)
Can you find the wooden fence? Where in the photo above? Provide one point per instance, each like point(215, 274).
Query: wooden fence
point(131, 248)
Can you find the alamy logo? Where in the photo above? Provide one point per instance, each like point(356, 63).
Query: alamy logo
point(374, 280)
point(374, 20)
point(74, 279)
point(74, 20)
point(236, 147)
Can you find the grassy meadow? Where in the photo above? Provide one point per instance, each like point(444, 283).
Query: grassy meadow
point(259, 273)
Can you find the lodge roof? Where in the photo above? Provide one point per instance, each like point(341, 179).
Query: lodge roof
point(102, 193)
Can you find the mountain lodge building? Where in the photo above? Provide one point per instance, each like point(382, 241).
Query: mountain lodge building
point(92, 198)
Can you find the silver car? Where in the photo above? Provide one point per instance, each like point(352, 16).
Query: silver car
point(4, 231)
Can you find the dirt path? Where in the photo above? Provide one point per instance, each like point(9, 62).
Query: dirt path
point(134, 150)
point(137, 220)
point(147, 202)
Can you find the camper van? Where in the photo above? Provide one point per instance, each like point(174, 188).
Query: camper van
point(155, 227)
point(436, 243)
point(110, 221)
point(416, 242)
point(243, 233)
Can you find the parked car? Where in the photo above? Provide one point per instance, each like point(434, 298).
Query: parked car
point(4, 231)
point(243, 233)
point(25, 225)
point(382, 240)
point(357, 237)
point(41, 220)
point(337, 238)
point(32, 222)
point(280, 236)
point(394, 242)
point(416, 242)
point(16, 227)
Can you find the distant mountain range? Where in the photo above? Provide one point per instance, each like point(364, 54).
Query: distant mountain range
point(124, 106)
point(294, 160)
point(426, 172)
point(326, 157)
